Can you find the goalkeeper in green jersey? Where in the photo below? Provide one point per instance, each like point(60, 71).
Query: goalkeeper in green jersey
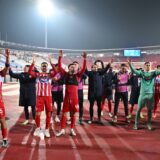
point(146, 97)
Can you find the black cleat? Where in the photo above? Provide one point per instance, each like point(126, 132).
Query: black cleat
point(5, 143)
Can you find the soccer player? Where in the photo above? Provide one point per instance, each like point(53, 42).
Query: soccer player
point(146, 97)
point(2, 109)
point(157, 93)
point(80, 92)
point(44, 96)
point(70, 103)
point(121, 91)
point(57, 92)
point(27, 91)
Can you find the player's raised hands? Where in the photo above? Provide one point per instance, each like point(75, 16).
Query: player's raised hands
point(60, 53)
point(84, 55)
point(7, 53)
point(129, 60)
point(33, 59)
point(111, 61)
point(50, 58)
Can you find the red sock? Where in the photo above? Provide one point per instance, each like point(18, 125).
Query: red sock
point(131, 109)
point(102, 104)
point(4, 132)
point(110, 106)
point(48, 119)
point(38, 121)
point(63, 121)
point(73, 121)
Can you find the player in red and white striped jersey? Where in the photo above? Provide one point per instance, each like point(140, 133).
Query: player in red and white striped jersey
point(2, 109)
point(157, 93)
point(44, 96)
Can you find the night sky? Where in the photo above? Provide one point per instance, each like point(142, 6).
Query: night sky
point(83, 24)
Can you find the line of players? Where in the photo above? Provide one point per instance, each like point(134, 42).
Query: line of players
point(49, 89)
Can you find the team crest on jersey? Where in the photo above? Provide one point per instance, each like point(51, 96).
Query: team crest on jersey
point(44, 79)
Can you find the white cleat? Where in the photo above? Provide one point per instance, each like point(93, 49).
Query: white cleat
point(25, 122)
point(90, 122)
point(102, 114)
point(72, 133)
point(110, 114)
point(114, 119)
point(57, 120)
point(47, 134)
point(62, 132)
point(37, 132)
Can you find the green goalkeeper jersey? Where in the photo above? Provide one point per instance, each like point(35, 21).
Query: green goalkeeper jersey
point(147, 80)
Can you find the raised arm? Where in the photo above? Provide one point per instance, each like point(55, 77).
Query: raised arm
point(107, 67)
point(14, 75)
point(62, 71)
point(53, 67)
point(80, 73)
point(138, 73)
point(4, 71)
point(31, 68)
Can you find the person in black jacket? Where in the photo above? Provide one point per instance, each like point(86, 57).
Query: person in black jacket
point(95, 89)
point(27, 91)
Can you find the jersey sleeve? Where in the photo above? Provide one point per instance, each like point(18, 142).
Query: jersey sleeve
point(138, 73)
point(62, 71)
point(31, 72)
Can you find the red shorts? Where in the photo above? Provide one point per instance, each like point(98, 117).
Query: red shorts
point(2, 109)
point(42, 101)
point(70, 105)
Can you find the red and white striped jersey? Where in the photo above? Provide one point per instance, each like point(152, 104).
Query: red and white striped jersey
point(43, 84)
point(157, 84)
point(43, 80)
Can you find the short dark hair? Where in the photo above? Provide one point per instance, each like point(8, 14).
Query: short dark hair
point(27, 65)
point(158, 66)
point(71, 64)
point(146, 63)
point(75, 62)
point(44, 63)
point(123, 65)
point(56, 65)
point(102, 64)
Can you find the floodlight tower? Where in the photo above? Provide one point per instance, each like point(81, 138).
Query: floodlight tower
point(46, 10)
